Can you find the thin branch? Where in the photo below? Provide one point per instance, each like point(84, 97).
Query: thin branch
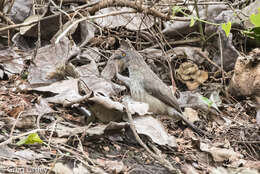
point(105, 4)
point(157, 157)
point(15, 122)
point(200, 24)
point(137, 6)
point(49, 17)
point(8, 20)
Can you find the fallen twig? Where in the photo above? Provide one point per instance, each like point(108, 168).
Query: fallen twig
point(157, 157)
point(105, 4)
point(138, 7)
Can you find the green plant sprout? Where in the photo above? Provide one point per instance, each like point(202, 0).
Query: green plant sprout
point(30, 139)
point(254, 19)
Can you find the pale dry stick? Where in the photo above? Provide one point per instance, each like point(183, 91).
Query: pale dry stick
point(16, 120)
point(240, 111)
point(192, 3)
point(248, 142)
point(8, 20)
point(52, 131)
point(19, 136)
point(159, 158)
point(53, 164)
point(239, 2)
point(80, 20)
point(49, 17)
point(58, 8)
point(61, 3)
point(89, 18)
point(80, 146)
point(9, 38)
point(39, 34)
point(11, 6)
point(160, 43)
point(200, 24)
point(180, 42)
point(213, 63)
point(174, 87)
point(251, 151)
point(221, 58)
point(94, 170)
point(123, 157)
point(139, 28)
point(39, 118)
point(78, 156)
point(60, 22)
point(71, 1)
point(138, 7)
point(76, 12)
point(108, 3)
point(86, 5)
point(254, 151)
point(197, 40)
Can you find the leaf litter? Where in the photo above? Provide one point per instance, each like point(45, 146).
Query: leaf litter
point(60, 84)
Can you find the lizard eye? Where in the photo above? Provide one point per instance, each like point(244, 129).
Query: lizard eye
point(123, 54)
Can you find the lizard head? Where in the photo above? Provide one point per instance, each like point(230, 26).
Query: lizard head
point(122, 58)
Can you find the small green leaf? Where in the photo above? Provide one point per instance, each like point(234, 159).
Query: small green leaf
point(253, 33)
point(192, 21)
point(30, 139)
point(255, 18)
point(226, 27)
point(207, 101)
point(175, 10)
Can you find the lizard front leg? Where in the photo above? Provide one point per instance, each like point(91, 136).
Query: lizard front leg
point(124, 79)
